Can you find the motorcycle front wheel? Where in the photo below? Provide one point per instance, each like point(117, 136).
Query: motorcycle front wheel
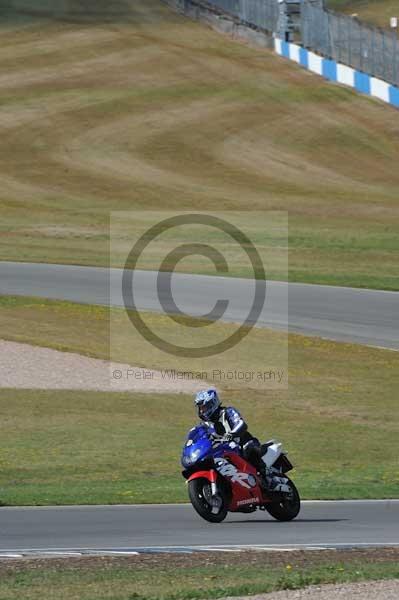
point(288, 508)
point(199, 491)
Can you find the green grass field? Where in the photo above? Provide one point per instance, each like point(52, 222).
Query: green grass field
point(135, 107)
point(339, 418)
point(377, 12)
point(186, 577)
point(267, 230)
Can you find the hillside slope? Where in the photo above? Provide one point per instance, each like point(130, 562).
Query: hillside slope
point(133, 106)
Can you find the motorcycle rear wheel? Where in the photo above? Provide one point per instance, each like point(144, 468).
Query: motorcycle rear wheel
point(201, 505)
point(287, 509)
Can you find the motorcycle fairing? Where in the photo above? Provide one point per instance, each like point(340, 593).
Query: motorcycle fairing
point(243, 480)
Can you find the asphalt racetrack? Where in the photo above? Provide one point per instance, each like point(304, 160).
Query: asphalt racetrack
point(324, 524)
point(368, 317)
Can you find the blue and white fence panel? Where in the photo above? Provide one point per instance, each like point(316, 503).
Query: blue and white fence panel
point(334, 71)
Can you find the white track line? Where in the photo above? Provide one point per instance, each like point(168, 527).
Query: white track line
point(209, 548)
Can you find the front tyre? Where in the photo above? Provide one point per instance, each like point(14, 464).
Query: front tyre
point(288, 508)
point(199, 491)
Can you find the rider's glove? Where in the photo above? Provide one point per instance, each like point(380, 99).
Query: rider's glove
point(228, 437)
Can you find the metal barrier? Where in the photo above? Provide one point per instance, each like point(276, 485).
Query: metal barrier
point(262, 14)
point(336, 36)
point(351, 42)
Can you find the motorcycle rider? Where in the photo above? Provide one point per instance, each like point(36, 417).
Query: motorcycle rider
point(228, 423)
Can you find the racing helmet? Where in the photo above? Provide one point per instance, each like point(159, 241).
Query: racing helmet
point(207, 403)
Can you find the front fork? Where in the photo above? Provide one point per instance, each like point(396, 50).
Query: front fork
point(216, 501)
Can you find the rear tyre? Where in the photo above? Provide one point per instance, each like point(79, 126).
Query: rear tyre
point(199, 490)
point(288, 508)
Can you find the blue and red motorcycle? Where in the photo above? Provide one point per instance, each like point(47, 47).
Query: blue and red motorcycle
point(220, 480)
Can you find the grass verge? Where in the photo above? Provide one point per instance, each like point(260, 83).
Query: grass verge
point(338, 418)
point(186, 577)
point(97, 448)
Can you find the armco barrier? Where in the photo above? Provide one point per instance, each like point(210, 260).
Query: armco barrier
point(217, 19)
point(334, 71)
